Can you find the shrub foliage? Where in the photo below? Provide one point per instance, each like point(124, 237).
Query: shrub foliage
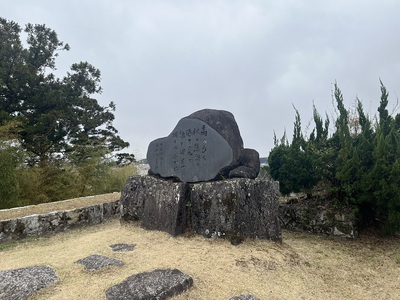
point(359, 160)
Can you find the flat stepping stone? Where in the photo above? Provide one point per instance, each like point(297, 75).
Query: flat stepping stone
point(95, 262)
point(158, 284)
point(244, 297)
point(22, 283)
point(122, 247)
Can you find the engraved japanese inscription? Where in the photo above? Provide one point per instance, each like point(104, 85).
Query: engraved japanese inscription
point(193, 152)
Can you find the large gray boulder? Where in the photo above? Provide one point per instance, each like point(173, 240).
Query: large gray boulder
point(203, 146)
point(158, 284)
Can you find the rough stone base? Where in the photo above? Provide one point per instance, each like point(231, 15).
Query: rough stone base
point(158, 204)
point(236, 208)
point(233, 208)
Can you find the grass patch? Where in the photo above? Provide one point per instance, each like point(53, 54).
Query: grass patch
point(20, 212)
point(290, 270)
point(8, 245)
point(303, 266)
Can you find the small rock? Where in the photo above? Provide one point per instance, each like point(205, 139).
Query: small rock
point(236, 240)
point(122, 247)
point(95, 262)
point(244, 297)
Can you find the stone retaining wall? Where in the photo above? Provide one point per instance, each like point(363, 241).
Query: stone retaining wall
point(318, 219)
point(41, 224)
point(295, 217)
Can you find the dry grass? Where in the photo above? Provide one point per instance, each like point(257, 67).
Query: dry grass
point(19, 212)
point(302, 267)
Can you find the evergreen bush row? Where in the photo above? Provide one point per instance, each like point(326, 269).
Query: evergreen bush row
point(359, 161)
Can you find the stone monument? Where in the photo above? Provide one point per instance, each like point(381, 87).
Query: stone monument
point(202, 179)
point(203, 146)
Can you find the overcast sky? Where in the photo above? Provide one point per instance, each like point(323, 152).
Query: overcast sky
point(163, 60)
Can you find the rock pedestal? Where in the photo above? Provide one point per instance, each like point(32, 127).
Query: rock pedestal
point(233, 208)
point(158, 204)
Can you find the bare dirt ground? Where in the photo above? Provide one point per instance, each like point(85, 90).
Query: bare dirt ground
point(19, 212)
point(304, 266)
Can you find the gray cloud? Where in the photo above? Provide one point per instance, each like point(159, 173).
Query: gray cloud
point(162, 60)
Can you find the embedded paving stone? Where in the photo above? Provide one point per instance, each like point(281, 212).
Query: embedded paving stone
point(122, 247)
point(21, 283)
point(95, 262)
point(244, 297)
point(158, 284)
